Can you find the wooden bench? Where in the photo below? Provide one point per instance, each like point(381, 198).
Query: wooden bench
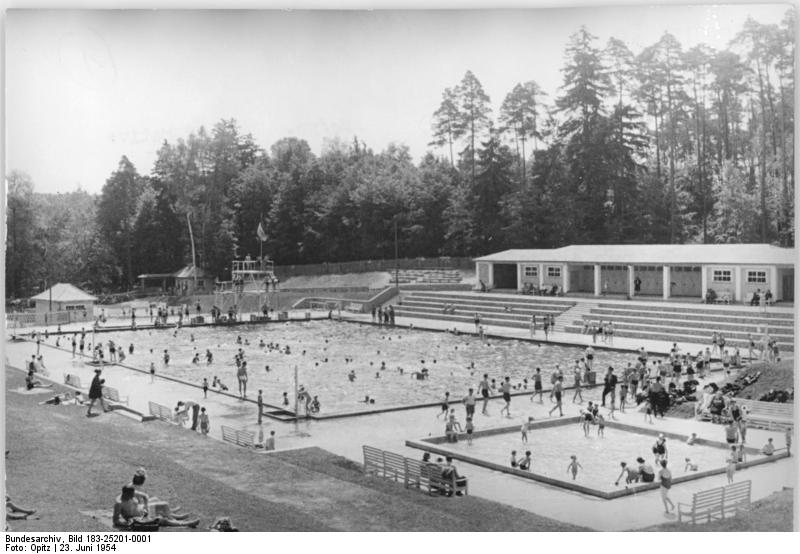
point(161, 412)
point(373, 460)
point(769, 415)
point(719, 502)
point(706, 504)
point(72, 381)
point(394, 466)
point(112, 394)
point(416, 474)
point(736, 497)
point(449, 485)
point(238, 437)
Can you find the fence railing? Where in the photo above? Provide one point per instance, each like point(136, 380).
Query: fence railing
point(28, 319)
point(285, 271)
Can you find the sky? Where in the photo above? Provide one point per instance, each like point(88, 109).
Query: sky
point(84, 88)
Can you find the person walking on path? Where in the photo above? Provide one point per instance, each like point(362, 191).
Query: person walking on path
point(665, 476)
point(483, 388)
point(506, 390)
point(577, 379)
point(557, 388)
point(609, 385)
point(96, 393)
point(469, 403)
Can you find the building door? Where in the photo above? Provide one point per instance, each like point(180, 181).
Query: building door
point(505, 276)
point(788, 286)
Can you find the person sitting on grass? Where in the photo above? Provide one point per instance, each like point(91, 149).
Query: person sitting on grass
point(151, 503)
point(31, 382)
point(128, 514)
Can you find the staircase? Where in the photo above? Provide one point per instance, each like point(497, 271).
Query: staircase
point(576, 313)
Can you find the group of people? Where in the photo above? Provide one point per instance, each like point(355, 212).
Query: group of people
point(136, 510)
point(383, 316)
point(603, 329)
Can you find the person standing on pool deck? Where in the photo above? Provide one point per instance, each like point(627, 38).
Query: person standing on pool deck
point(533, 325)
point(506, 390)
point(609, 385)
point(445, 406)
point(260, 403)
point(241, 375)
point(730, 468)
point(589, 355)
point(526, 425)
point(537, 385)
point(557, 395)
point(74, 344)
point(577, 381)
point(205, 387)
point(660, 448)
point(546, 327)
point(477, 320)
point(469, 402)
point(152, 372)
point(483, 388)
point(469, 428)
point(665, 477)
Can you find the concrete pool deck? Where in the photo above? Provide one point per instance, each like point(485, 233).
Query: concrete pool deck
point(389, 431)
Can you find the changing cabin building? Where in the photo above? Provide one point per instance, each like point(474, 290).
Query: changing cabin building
point(734, 271)
point(65, 298)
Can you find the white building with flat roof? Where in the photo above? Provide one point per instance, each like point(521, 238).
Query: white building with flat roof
point(735, 271)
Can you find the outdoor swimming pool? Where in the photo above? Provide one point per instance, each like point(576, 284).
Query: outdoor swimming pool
point(319, 349)
point(599, 457)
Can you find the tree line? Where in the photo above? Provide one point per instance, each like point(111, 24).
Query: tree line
point(667, 145)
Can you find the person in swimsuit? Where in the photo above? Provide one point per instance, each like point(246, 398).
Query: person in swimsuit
point(631, 475)
point(645, 471)
point(525, 463)
point(483, 388)
point(445, 406)
point(557, 388)
point(587, 420)
point(665, 477)
point(241, 375)
point(573, 466)
point(506, 389)
point(537, 385)
point(469, 428)
point(660, 449)
point(469, 403)
point(577, 381)
point(514, 459)
point(128, 512)
point(525, 428)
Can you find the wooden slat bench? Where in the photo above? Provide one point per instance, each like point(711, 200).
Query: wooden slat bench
point(416, 475)
point(161, 412)
point(112, 394)
point(394, 465)
point(736, 497)
point(373, 460)
point(449, 486)
point(705, 504)
point(237, 436)
point(769, 415)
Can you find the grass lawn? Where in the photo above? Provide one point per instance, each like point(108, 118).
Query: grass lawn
point(62, 462)
point(774, 513)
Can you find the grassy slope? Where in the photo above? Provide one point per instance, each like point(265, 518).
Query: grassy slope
point(774, 513)
point(61, 463)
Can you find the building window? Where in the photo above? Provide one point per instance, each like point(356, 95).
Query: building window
point(756, 276)
point(722, 275)
point(75, 307)
point(553, 271)
point(531, 271)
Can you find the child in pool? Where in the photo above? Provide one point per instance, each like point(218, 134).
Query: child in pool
point(573, 466)
point(513, 458)
point(204, 424)
point(690, 465)
point(601, 425)
point(691, 440)
point(205, 387)
point(525, 463)
point(648, 411)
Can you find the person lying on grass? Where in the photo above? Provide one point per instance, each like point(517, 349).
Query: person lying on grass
point(128, 513)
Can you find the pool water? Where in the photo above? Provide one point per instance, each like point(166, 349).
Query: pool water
point(599, 457)
point(320, 348)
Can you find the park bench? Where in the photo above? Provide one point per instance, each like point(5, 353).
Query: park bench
point(718, 502)
point(237, 436)
point(72, 381)
point(736, 497)
point(706, 504)
point(373, 460)
point(161, 412)
point(394, 465)
point(112, 394)
point(768, 415)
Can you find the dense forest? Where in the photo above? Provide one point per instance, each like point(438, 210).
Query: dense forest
point(667, 145)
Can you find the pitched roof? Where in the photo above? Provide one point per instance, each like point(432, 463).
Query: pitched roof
point(660, 254)
point(190, 271)
point(64, 292)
